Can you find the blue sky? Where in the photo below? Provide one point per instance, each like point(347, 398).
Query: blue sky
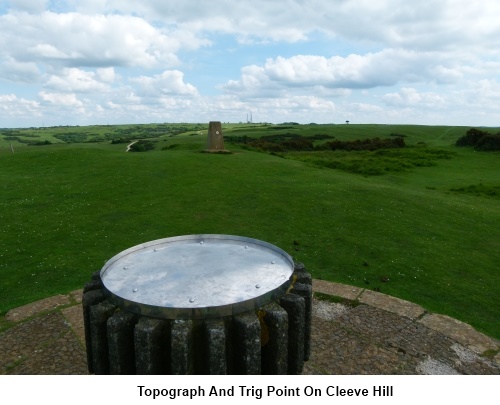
point(82, 62)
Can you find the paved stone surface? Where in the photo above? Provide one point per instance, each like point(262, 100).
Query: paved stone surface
point(338, 290)
point(18, 314)
point(74, 318)
point(461, 332)
point(369, 333)
point(44, 345)
point(391, 304)
point(367, 340)
point(77, 295)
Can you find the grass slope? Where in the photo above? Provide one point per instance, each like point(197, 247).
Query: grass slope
point(66, 209)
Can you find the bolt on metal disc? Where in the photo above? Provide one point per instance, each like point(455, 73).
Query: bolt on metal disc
point(197, 276)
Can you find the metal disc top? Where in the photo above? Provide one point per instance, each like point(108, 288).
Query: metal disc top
point(197, 276)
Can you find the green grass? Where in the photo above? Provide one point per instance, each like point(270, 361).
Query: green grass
point(480, 190)
point(93, 134)
point(374, 162)
point(67, 208)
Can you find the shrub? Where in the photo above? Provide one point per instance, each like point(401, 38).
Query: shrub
point(479, 190)
point(480, 140)
point(371, 163)
point(40, 143)
point(120, 140)
point(267, 146)
point(363, 144)
point(298, 144)
point(489, 143)
point(294, 143)
point(72, 137)
point(142, 146)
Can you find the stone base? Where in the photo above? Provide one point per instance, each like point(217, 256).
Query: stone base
point(221, 151)
point(273, 339)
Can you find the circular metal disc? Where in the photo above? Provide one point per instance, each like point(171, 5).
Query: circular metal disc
point(197, 276)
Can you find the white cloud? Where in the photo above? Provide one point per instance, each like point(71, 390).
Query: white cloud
point(61, 99)
point(384, 68)
point(410, 97)
point(280, 109)
point(481, 96)
point(243, 18)
point(31, 6)
point(20, 72)
point(13, 106)
point(106, 75)
point(170, 82)
point(290, 60)
point(489, 90)
point(77, 80)
point(311, 70)
point(443, 74)
point(428, 25)
point(47, 51)
point(74, 39)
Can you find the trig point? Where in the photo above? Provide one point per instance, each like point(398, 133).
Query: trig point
point(215, 142)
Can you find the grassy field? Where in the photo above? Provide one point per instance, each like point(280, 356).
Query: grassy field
point(65, 208)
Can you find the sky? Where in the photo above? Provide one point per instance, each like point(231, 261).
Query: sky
point(87, 62)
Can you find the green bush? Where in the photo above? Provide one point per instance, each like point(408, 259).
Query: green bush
point(480, 140)
point(489, 143)
point(40, 143)
point(372, 163)
point(479, 190)
point(142, 146)
point(120, 140)
point(363, 144)
point(72, 137)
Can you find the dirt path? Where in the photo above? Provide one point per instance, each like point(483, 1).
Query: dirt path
point(128, 147)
